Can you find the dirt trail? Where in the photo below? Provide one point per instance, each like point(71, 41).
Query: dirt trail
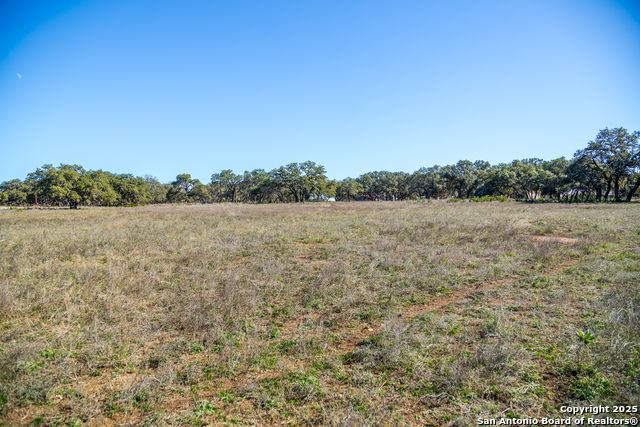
point(440, 303)
point(292, 328)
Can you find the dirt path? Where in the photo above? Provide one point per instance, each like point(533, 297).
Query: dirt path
point(436, 305)
point(292, 328)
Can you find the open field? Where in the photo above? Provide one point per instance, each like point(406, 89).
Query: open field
point(386, 313)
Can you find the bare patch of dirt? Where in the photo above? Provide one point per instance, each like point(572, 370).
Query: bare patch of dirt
point(554, 239)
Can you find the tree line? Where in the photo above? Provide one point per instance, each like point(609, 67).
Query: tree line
point(607, 169)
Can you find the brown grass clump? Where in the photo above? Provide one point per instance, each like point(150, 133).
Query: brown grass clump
point(321, 313)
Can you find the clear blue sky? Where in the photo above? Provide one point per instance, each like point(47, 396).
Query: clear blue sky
point(166, 87)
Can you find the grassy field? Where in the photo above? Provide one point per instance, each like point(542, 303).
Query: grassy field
point(324, 313)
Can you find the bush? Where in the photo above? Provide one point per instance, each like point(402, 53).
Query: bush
point(490, 199)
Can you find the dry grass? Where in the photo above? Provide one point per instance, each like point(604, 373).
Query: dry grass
point(321, 314)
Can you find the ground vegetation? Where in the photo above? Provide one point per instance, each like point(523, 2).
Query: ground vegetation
point(389, 313)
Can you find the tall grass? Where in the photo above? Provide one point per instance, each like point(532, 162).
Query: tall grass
point(308, 313)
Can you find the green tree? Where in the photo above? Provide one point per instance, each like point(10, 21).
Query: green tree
point(226, 185)
point(347, 189)
point(264, 187)
point(86, 187)
point(428, 182)
point(130, 189)
point(199, 193)
point(584, 180)
point(556, 183)
point(370, 185)
point(315, 181)
point(157, 191)
point(460, 179)
point(180, 188)
point(37, 180)
point(14, 192)
point(500, 180)
point(303, 181)
point(62, 186)
point(530, 177)
point(614, 154)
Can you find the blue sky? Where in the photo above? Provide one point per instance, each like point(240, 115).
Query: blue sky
point(164, 87)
